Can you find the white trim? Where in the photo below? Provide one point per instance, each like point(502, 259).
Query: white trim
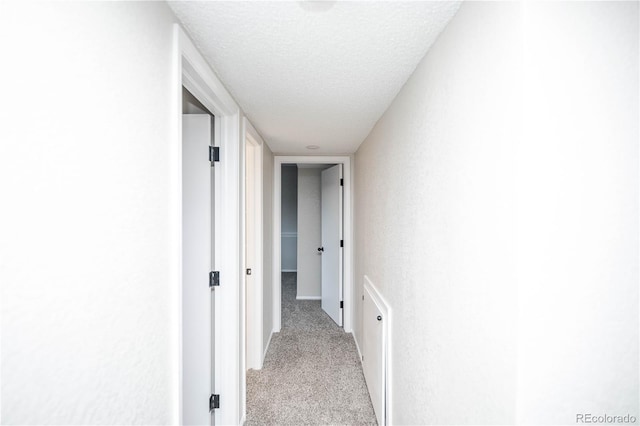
point(289, 234)
point(386, 311)
point(357, 346)
point(289, 270)
point(254, 330)
point(346, 161)
point(192, 71)
point(175, 223)
point(266, 349)
point(308, 297)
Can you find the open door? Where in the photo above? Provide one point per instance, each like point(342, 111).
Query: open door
point(332, 242)
point(197, 261)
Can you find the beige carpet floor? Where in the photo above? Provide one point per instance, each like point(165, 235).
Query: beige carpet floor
point(312, 373)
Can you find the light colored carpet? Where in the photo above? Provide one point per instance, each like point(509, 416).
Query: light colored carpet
point(312, 373)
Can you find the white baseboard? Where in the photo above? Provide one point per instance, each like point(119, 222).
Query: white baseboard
point(357, 346)
point(309, 297)
point(288, 270)
point(264, 354)
point(243, 419)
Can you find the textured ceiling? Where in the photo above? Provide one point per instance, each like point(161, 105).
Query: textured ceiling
point(314, 73)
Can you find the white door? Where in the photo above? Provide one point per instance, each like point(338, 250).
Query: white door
point(197, 261)
point(331, 242)
point(250, 290)
point(373, 353)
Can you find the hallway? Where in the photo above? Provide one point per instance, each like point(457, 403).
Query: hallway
point(311, 374)
point(490, 156)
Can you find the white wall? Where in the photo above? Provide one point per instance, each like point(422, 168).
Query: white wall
point(507, 238)
point(577, 174)
point(289, 217)
point(88, 317)
point(309, 233)
point(267, 229)
point(434, 223)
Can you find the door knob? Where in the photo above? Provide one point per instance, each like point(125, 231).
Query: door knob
point(320, 248)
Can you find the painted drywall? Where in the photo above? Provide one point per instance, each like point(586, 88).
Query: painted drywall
point(267, 253)
point(88, 307)
point(309, 233)
point(434, 223)
point(577, 174)
point(507, 242)
point(289, 217)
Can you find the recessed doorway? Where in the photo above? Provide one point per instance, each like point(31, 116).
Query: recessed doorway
point(342, 281)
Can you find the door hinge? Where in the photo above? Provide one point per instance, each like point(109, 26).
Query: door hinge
point(341, 304)
point(214, 402)
point(341, 243)
point(214, 279)
point(341, 182)
point(214, 154)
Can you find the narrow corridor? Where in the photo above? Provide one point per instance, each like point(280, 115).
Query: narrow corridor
point(311, 374)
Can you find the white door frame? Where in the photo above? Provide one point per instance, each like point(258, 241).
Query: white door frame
point(253, 355)
point(192, 71)
point(346, 162)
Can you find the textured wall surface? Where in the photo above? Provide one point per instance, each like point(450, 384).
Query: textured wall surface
point(267, 229)
point(578, 213)
point(309, 233)
point(507, 239)
point(314, 72)
point(434, 223)
point(88, 314)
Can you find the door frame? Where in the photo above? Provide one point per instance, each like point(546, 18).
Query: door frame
point(192, 71)
point(254, 337)
point(347, 167)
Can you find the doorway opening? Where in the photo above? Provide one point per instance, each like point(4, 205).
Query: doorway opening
point(311, 240)
point(310, 251)
point(222, 371)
